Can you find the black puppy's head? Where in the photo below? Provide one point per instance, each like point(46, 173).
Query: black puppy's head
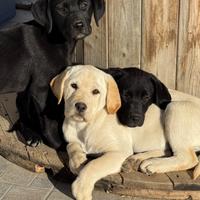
point(71, 18)
point(138, 90)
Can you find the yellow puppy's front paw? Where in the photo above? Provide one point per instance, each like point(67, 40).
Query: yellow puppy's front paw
point(151, 166)
point(82, 190)
point(77, 162)
point(132, 163)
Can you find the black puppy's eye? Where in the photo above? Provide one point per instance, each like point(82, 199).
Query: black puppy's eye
point(83, 5)
point(95, 92)
point(62, 9)
point(127, 95)
point(74, 85)
point(146, 98)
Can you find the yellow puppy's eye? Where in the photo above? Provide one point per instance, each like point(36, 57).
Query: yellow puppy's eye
point(95, 92)
point(74, 85)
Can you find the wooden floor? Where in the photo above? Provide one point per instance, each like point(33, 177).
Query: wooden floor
point(161, 186)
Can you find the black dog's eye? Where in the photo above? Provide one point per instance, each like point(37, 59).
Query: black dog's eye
point(95, 92)
point(74, 85)
point(146, 98)
point(83, 5)
point(127, 95)
point(62, 9)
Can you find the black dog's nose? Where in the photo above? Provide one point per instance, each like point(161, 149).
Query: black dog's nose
point(80, 107)
point(78, 24)
point(137, 119)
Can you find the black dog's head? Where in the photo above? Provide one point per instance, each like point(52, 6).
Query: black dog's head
point(71, 18)
point(138, 90)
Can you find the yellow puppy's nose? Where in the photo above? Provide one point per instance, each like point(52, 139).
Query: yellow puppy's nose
point(80, 107)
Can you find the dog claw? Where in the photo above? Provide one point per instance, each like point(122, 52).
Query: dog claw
point(131, 164)
point(148, 172)
point(126, 168)
point(33, 142)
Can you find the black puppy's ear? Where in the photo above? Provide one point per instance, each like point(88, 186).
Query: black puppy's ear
point(116, 73)
point(41, 11)
point(162, 96)
point(99, 9)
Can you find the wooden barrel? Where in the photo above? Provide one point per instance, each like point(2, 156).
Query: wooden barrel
point(158, 186)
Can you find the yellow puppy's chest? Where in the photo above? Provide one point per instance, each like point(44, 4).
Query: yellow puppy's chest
point(95, 141)
point(92, 139)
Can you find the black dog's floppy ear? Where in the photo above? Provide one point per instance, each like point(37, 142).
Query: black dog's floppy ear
point(99, 9)
point(116, 73)
point(41, 11)
point(161, 94)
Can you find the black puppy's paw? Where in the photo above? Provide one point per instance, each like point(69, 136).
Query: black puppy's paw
point(31, 138)
point(33, 141)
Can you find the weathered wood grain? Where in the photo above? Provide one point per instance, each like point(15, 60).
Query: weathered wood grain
point(79, 52)
point(183, 180)
point(188, 75)
point(124, 33)
point(95, 46)
point(159, 39)
point(158, 194)
point(9, 104)
point(140, 180)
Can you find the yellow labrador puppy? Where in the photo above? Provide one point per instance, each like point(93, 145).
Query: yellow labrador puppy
point(182, 131)
point(91, 127)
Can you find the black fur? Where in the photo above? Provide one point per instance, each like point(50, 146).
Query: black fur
point(138, 90)
point(33, 53)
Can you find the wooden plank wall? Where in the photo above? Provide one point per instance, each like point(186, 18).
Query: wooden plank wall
point(159, 36)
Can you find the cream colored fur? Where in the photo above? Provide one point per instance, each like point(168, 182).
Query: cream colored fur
point(182, 131)
point(96, 131)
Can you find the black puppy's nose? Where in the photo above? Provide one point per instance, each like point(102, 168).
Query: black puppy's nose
point(136, 117)
point(80, 107)
point(78, 24)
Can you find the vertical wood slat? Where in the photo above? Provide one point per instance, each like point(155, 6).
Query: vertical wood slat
point(124, 31)
point(79, 52)
point(188, 75)
point(117, 41)
point(95, 48)
point(159, 39)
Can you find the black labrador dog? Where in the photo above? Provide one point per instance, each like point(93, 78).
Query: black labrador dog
point(138, 90)
point(32, 54)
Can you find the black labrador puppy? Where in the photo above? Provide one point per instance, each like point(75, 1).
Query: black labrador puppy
point(32, 54)
point(138, 90)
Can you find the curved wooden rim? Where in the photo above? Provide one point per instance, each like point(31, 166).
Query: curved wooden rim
point(161, 186)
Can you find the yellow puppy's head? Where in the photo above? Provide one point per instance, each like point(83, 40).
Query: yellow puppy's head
point(86, 91)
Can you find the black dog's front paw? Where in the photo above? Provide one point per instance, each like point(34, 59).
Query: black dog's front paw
point(33, 141)
point(31, 138)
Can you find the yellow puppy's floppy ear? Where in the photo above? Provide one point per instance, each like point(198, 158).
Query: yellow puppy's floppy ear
point(57, 84)
point(113, 100)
